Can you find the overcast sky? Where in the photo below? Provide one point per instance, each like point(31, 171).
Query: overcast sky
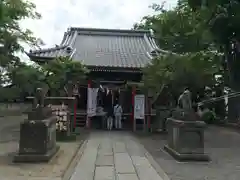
point(58, 15)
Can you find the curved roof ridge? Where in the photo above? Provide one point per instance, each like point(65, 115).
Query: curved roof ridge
point(48, 49)
point(108, 30)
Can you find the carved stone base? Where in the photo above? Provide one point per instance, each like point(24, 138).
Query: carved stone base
point(186, 157)
point(186, 140)
point(37, 140)
point(34, 158)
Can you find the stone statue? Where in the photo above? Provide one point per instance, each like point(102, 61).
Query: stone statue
point(39, 98)
point(189, 144)
point(38, 133)
point(185, 100)
point(39, 110)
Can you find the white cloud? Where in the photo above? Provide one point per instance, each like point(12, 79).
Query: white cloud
point(58, 15)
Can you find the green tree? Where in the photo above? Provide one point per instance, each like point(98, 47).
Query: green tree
point(194, 70)
point(26, 77)
point(23, 78)
point(62, 73)
point(11, 34)
point(55, 77)
point(222, 19)
point(181, 30)
point(178, 30)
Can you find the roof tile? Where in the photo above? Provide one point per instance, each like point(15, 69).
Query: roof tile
point(104, 47)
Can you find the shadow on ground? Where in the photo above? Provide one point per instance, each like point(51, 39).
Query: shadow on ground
point(223, 146)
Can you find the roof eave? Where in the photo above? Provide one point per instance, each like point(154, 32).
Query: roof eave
point(39, 59)
point(115, 69)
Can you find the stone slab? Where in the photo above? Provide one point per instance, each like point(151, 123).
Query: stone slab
point(119, 147)
point(133, 149)
point(104, 160)
point(105, 151)
point(144, 169)
point(123, 163)
point(96, 165)
point(104, 173)
point(127, 177)
point(86, 166)
point(105, 145)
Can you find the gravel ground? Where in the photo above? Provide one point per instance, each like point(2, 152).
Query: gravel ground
point(55, 169)
point(223, 146)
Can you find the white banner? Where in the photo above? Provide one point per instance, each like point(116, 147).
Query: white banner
point(92, 102)
point(139, 106)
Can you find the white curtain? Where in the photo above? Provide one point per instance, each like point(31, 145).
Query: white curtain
point(92, 101)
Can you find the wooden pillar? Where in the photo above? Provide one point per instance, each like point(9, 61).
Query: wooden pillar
point(113, 97)
point(145, 120)
point(88, 121)
point(133, 103)
point(75, 113)
point(149, 109)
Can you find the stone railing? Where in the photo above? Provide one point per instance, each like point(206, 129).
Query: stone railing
point(68, 101)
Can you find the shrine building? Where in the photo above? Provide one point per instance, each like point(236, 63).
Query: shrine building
point(114, 57)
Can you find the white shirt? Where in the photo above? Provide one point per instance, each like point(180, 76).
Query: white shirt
point(75, 91)
point(118, 110)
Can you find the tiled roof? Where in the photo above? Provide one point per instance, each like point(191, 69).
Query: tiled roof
point(104, 47)
point(49, 53)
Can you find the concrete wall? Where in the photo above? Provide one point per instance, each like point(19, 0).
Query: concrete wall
point(16, 109)
point(13, 109)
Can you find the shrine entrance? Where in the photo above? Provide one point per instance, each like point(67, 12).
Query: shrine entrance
point(110, 93)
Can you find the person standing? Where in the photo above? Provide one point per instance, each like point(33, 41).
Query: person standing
point(109, 118)
point(118, 116)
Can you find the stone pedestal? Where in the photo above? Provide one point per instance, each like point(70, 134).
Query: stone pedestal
point(39, 113)
point(186, 140)
point(37, 140)
point(162, 113)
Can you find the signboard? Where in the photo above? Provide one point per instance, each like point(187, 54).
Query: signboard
point(92, 102)
point(139, 106)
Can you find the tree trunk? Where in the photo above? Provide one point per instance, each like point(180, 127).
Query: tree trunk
point(234, 78)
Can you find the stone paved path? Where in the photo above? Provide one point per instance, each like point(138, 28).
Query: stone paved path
point(114, 156)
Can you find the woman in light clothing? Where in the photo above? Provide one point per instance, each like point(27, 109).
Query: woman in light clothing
point(118, 116)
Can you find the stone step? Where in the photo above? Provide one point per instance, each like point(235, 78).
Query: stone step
point(81, 121)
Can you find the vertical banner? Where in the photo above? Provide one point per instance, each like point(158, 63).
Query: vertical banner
point(139, 106)
point(92, 102)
